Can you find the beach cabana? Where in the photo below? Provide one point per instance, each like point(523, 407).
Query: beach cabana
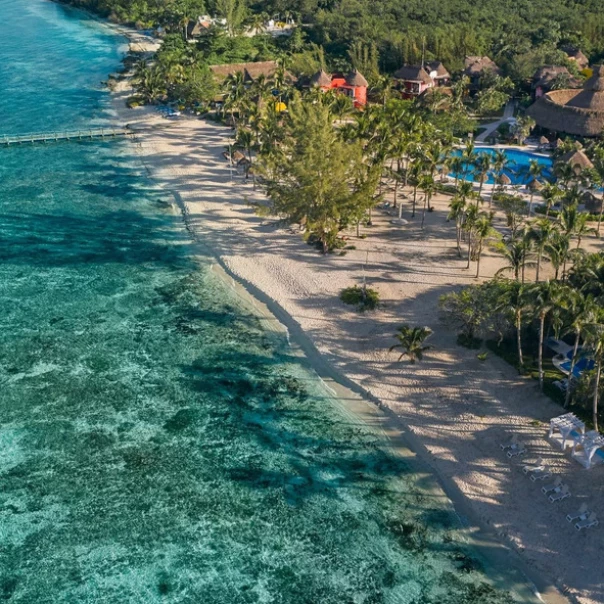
point(590, 450)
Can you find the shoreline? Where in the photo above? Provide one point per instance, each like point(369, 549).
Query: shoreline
point(359, 400)
point(174, 176)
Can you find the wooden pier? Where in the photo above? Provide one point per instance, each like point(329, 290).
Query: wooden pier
point(64, 135)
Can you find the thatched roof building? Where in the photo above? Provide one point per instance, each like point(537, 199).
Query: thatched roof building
point(546, 76)
point(474, 66)
point(413, 73)
point(251, 71)
point(579, 112)
point(577, 160)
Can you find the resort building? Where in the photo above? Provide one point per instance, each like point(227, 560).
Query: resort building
point(573, 111)
point(353, 85)
point(251, 71)
point(476, 67)
point(198, 28)
point(414, 80)
point(548, 77)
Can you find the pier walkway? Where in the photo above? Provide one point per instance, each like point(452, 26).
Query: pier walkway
point(64, 135)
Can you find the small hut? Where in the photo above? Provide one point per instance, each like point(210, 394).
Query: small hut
point(413, 80)
point(577, 160)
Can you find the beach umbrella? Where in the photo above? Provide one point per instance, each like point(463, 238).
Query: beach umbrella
point(505, 180)
point(534, 185)
point(544, 140)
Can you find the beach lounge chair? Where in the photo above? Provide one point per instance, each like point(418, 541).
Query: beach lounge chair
point(559, 495)
point(516, 450)
point(548, 488)
point(581, 514)
point(590, 521)
point(536, 466)
point(541, 474)
point(511, 443)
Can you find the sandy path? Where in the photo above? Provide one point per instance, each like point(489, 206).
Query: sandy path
point(456, 408)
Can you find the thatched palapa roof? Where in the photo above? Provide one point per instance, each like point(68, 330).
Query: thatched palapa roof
point(355, 78)
point(413, 73)
point(534, 185)
point(577, 160)
point(251, 71)
point(579, 112)
point(439, 68)
point(321, 78)
point(475, 65)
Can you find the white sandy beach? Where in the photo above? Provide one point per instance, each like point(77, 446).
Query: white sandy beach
point(455, 409)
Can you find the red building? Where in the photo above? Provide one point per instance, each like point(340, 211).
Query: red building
point(353, 85)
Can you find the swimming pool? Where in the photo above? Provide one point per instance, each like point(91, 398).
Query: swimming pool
point(516, 169)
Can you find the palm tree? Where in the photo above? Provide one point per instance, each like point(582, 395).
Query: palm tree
point(411, 340)
point(234, 94)
point(456, 165)
point(540, 233)
point(598, 162)
point(551, 194)
point(594, 336)
point(564, 173)
point(457, 210)
point(583, 311)
point(482, 167)
point(545, 296)
point(428, 186)
point(469, 157)
point(558, 251)
point(515, 251)
point(582, 228)
point(535, 170)
point(513, 300)
point(470, 218)
point(483, 228)
point(500, 162)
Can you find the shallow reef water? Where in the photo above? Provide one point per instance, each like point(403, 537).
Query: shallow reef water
point(157, 443)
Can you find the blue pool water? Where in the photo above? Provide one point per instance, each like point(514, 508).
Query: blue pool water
point(157, 444)
point(516, 169)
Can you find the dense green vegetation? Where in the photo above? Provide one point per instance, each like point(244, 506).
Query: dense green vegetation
point(520, 35)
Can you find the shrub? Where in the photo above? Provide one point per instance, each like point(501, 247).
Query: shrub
point(364, 298)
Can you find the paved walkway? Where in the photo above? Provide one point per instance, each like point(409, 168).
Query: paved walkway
point(508, 112)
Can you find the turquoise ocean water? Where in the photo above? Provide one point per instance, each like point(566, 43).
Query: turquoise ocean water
point(156, 443)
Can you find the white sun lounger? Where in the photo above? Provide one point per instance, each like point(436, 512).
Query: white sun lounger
point(513, 442)
point(515, 450)
point(541, 474)
point(559, 495)
point(548, 488)
point(536, 466)
point(581, 514)
point(590, 521)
